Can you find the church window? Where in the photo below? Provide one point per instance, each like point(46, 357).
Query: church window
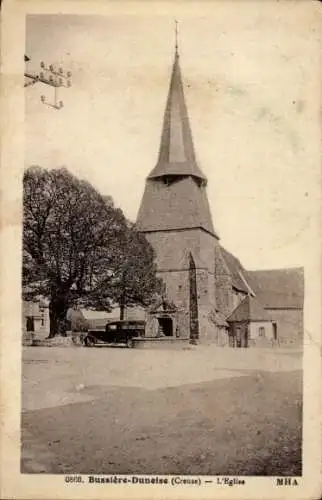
point(168, 180)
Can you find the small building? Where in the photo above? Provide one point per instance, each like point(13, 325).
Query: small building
point(162, 320)
point(250, 325)
point(281, 293)
point(35, 320)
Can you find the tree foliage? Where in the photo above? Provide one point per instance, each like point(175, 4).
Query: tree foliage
point(134, 280)
point(73, 242)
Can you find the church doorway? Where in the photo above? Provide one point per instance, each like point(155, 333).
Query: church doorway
point(241, 336)
point(165, 327)
point(238, 336)
point(244, 337)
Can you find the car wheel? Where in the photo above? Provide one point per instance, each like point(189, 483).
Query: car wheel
point(89, 342)
point(130, 343)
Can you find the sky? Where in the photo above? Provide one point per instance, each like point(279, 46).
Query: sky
point(251, 78)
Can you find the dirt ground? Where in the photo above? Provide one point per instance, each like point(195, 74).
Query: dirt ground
point(203, 410)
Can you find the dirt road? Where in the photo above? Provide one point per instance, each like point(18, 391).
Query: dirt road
point(200, 411)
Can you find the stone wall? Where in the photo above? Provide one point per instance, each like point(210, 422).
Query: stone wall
point(289, 326)
point(227, 297)
point(210, 333)
point(223, 280)
point(260, 334)
point(172, 249)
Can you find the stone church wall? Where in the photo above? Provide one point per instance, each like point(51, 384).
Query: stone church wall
point(172, 248)
point(224, 294)
point(223, 278)
point(177, 291)
point(289, 326)
point(260, 333)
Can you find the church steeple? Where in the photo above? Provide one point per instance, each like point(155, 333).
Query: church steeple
point(175, 218)
point(176, 154)
point(175, 197)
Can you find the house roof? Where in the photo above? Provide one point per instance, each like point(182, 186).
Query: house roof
point(249, 309)
point(279, 288)
point(238, 273)
point(176, 153)
point(181, 205)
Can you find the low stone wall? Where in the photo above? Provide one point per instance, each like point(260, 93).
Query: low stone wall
point(160, 343)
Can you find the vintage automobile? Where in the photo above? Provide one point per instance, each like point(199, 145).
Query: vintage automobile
point(116, 332)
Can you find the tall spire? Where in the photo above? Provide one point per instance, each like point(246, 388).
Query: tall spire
point(176, 153)
point(175, 195)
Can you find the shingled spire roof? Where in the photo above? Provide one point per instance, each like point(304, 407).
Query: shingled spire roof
point(175, 195)
point(176, 153)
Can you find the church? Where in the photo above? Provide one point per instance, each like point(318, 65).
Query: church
point(209, 296)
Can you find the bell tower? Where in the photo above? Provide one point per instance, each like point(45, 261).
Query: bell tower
point(175, 216)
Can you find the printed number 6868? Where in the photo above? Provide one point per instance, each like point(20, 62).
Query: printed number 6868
point(73, 479)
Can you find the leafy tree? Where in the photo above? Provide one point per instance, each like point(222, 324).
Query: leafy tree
point(134, 280)
point(78, 249)
point(70, 234)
